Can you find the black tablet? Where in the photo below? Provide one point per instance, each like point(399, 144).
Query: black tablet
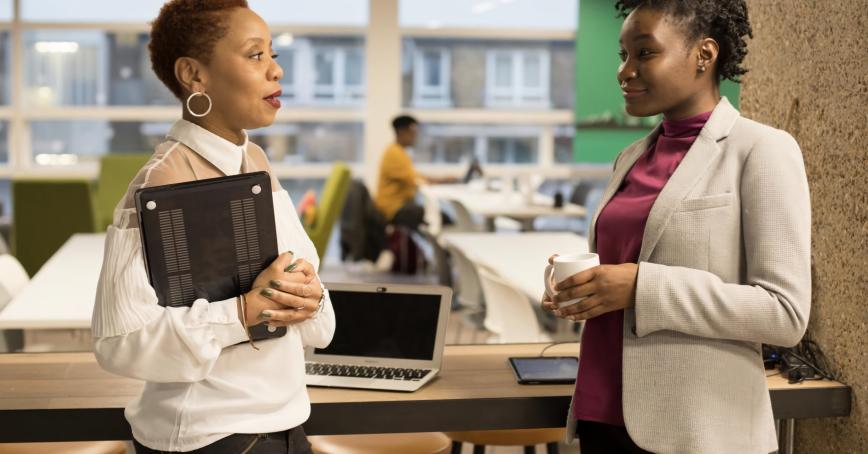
point(546, 370)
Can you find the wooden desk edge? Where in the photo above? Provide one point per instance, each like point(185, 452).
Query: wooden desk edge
point(82, 424)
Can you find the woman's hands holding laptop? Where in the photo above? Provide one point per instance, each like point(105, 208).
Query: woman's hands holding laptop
point(287, 292)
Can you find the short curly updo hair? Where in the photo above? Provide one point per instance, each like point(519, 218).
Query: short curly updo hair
point(725, 21)
point(187, 28)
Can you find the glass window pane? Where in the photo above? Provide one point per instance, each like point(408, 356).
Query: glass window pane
point(319, 12)
point(325, 66)
point(512, 150)
point(439, 145)
point(5, 73)
point(90, 10)
point(532, 69)
point(321, 70)
point(564, 144)
point(5, 208)
point(353, 67)
point(503, 70)
point(527, 14)
point(494, 144)
point(4, 143)
point(5, 10)
point(90, 68)
point(431, 61)
point(480, 73)
point(296, 143)
point(286, 60)
point(67, 142)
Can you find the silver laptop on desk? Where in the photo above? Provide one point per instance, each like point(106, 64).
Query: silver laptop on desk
point(388, 337)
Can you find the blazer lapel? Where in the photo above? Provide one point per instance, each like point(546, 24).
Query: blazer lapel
point(631, 154)
point(695, 163)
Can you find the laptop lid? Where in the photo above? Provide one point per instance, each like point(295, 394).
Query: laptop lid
point(387, 325)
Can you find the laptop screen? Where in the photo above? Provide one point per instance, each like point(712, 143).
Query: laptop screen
point(384, 325)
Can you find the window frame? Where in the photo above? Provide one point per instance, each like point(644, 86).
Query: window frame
point(432, 96)
point(518, 94)
point(20, 149)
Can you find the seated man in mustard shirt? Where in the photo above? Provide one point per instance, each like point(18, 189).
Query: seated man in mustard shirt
point(397, 184)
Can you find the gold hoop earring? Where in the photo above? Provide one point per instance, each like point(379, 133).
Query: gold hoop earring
point(199, 93)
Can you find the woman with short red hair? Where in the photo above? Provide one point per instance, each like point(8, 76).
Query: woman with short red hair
point(207, 390)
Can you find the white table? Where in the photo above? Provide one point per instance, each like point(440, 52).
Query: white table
point(62, 293)
point(519, 258)
point(491, 204)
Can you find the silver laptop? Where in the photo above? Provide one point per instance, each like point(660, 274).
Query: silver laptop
point(388, 337)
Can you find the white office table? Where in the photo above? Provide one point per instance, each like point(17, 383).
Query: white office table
point(62, 293)
point(519, 258)
point(491, 204)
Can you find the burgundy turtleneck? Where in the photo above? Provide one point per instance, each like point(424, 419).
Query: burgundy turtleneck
point(619, 232)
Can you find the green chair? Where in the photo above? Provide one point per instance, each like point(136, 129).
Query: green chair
point(47, 213)
point(331, 202)
point(115, 173)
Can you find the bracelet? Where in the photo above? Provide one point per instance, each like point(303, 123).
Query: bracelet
point(244, 320)
point(321, 303)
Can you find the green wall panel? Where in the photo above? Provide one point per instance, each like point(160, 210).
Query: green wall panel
point(602, 145)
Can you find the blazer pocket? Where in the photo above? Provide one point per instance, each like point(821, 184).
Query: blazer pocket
point(706, 202)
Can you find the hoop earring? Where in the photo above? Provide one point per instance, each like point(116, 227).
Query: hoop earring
point(199, 93)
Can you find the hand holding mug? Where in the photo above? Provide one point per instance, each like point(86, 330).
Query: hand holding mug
point(562, 267)
point(598, 290)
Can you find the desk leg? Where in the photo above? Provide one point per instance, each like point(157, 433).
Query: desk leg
point(489, 224)
point(786, 435)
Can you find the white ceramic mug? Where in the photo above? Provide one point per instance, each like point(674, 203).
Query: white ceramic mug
point(565, 266)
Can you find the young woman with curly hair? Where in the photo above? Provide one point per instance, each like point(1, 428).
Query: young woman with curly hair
point(705, 250)
point(207, 391)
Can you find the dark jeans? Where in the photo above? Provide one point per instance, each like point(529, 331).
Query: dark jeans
point(292, 441)
point(410, 215)
point(599, 438)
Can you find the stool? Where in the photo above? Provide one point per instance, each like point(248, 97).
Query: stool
point(528, 438)
point(75, 447)
point(404, 443)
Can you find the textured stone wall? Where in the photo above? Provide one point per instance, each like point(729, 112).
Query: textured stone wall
point(814, 52)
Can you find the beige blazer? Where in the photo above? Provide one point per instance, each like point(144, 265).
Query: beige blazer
point(725, 265)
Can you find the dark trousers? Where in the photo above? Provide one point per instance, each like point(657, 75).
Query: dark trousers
point(410, 215)
point(292, 441)
point(599, 438)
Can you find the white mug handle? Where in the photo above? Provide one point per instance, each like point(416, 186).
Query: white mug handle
point(548, 276)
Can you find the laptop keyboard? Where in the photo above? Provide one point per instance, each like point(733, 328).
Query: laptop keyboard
point(386, 373)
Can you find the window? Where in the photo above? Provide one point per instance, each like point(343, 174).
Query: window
point(299, 143)
point(497, 14)
point(512, 150)
point(4, 68)
point(4, 143)
point(492, 144)
point(321, 70)
point(564, 144)
point(89, 68)
point(5, 206)
point(517, 78)
point(337, 74)
point(465, 73)
point(431, 81)
point(69, 142)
